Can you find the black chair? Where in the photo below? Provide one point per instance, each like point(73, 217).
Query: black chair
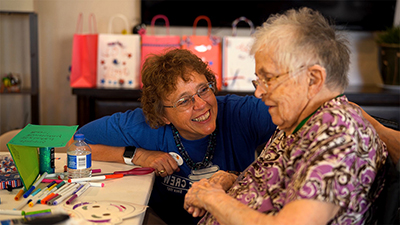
point(385, 210)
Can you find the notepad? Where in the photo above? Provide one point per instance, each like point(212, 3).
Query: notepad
point(23, 147)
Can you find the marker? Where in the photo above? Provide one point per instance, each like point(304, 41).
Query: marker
point(56, 194)
point(48, 219)
point(65, 174)
point(51, 196)
point(104, 177)
point(64, 196)
point(35, 192)
point(40, 215)
point(42, 193)
point(27, 193)
point(92, 184)
point(19, 194)
point(37, 212)
point(12, 212)
point(45, 180)
point(79, 193)
point(23, 203)
point(58, 186)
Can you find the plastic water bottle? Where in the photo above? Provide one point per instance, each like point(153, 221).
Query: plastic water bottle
point(79, 158)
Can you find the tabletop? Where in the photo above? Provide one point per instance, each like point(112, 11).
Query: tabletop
point(120, 201)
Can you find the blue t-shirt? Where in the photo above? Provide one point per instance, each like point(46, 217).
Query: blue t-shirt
point(243, 123)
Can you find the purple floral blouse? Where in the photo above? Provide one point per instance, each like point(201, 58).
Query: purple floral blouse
point(334, 158)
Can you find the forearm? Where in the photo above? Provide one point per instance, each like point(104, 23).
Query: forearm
point(228, 210)
point(107, 153)
point(390, 137)
point(392, 140)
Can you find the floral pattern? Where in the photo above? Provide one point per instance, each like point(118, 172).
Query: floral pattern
point(333, 158)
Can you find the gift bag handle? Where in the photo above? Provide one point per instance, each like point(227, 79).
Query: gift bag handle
point(242, 18)
point(208, 23)
point(153, 21)
point(118, 16)
point(92, 21)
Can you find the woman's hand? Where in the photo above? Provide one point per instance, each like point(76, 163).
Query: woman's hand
point(162, 162)
point(223, 178)
point(199, 194)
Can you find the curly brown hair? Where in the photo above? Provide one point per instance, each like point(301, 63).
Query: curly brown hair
point(160, 74)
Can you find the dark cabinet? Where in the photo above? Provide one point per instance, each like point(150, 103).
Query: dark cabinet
point(95, 103)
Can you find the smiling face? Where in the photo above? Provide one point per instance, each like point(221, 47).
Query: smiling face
point(199, 120)
point(286, 96)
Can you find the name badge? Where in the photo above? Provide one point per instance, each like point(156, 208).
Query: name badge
point(197, 175)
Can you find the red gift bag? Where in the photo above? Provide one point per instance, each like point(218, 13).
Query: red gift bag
point(152, 44)
point(84, 56)
point(208, 48)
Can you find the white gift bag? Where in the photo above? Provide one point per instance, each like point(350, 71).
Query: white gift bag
point(118, 60)
point(238, 65)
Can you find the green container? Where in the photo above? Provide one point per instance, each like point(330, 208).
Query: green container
point(389, 62)
point(46, 160)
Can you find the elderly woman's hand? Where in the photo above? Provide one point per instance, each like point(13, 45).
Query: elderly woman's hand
point(223, 178)
point(199, 194)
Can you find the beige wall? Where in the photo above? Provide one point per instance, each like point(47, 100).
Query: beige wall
point(57, 24)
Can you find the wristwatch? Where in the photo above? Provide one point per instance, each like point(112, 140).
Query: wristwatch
point(129, 154)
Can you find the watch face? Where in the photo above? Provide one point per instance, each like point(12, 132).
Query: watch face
point(129, 152)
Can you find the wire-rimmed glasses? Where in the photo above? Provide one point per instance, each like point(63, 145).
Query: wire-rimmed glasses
point(186, 102)
point(263, 82)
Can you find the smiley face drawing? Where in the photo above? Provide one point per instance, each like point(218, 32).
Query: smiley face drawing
point(104, 212)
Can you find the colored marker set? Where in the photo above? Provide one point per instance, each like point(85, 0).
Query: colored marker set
point(54, 193)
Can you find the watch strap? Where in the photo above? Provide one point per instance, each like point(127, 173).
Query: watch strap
point(129, 153)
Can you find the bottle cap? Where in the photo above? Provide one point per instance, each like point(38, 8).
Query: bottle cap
point(79, 137)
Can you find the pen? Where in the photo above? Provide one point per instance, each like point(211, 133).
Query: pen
point(79, 193)
point(103, 177)
point(28, 192)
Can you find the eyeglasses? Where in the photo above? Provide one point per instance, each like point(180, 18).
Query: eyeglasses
point(186, 102)
point(263, 83)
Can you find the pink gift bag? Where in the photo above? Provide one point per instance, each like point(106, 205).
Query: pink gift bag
point(154, 44)
point(208, 48)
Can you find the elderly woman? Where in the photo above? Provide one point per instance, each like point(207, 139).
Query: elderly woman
point(319, 166)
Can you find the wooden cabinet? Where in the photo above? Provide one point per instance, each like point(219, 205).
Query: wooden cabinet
point(95, 103)
point(33, 90)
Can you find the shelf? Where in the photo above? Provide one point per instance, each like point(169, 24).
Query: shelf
point(24, 91)
point(33, 91)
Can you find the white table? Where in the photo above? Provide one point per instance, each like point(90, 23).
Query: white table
point(133, 189)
